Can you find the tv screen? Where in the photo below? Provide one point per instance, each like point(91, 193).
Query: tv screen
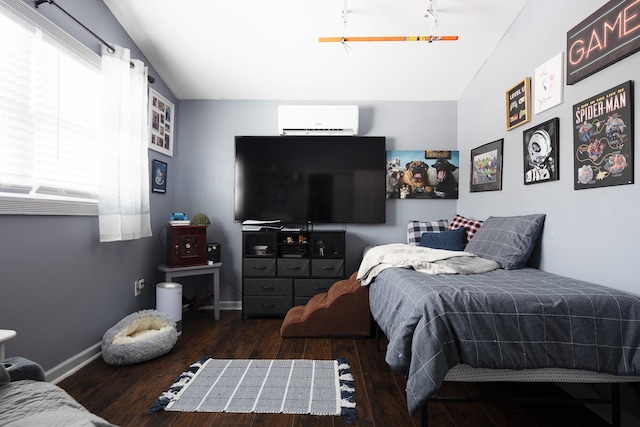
point(301, 179)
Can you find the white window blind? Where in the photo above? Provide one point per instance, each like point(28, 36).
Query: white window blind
point(50, 107)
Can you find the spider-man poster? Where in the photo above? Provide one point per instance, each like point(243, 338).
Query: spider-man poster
point(603, 139)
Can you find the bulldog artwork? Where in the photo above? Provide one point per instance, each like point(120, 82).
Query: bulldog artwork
point(422, 174)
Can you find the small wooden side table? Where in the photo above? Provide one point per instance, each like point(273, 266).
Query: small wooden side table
point(5, 335)
point(212, 270)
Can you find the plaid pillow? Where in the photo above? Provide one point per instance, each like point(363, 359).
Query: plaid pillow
point(416, 228)
point(470, 224)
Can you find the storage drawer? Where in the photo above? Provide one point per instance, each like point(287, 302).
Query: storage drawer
point(259, 267)
point(293, 267)
point(310, 287)
point(266, 306)
point(267, 287)
point(327, 268)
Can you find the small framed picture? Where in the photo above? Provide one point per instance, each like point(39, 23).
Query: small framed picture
point(486, 167)
point(548, 84)
point(158, 176)
point(161, 123)
point(541, 152)
point(518, 104)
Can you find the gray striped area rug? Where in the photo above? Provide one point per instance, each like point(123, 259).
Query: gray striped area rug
point(288, 386)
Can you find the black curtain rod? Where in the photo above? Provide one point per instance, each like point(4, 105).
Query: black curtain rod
point(110, 48)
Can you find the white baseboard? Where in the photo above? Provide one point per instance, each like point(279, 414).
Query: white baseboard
point(231, 305)
point(73, 364)
point(80, 360)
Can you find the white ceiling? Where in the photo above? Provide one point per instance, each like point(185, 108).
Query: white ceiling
point(269, 49)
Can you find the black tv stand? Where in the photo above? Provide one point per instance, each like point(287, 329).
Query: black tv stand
point(283, 268)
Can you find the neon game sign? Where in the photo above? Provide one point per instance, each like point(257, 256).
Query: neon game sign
point(605, 37)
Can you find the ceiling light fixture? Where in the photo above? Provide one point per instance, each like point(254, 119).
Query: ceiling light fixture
point(388, 39)
point(431, 13)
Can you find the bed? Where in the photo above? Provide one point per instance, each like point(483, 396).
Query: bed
point(35, 403)
point(512, 321)
point(27, 400)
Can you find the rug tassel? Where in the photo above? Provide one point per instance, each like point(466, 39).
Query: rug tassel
point(184, 378)
point(347, 391)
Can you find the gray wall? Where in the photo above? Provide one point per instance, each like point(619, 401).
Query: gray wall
point(205, 168)
point(589, 234)
point(61, 289)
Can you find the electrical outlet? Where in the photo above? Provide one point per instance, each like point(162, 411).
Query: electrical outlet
point(137, 287)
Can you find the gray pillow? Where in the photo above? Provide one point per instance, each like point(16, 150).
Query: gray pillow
point(507, 240)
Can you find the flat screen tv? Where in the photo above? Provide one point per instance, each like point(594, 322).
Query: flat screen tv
point(310, 179)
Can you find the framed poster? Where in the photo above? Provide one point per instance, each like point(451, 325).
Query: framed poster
point(158, 176)
point(603, 139)
point(518, 103)
point(541, 152)
point(161, 123)
point(422, 174)
point(548, 84)
point(486, 167)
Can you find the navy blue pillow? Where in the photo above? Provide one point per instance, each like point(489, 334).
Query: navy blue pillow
point(451, 240)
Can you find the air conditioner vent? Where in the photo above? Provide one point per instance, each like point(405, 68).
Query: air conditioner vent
point(318, 119)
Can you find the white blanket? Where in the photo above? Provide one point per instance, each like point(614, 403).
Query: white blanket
point(424, 260)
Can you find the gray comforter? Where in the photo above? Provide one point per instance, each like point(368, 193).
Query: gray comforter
point(35, 403)
point(502, 319)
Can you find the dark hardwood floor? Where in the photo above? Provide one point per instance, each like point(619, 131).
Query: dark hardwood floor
point(122, 395)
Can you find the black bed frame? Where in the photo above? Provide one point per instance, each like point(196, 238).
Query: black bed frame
point(614, 401)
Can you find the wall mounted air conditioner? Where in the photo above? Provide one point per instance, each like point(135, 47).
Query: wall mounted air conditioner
point(318, 119)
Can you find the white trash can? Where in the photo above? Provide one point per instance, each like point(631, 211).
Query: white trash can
point(169, 301)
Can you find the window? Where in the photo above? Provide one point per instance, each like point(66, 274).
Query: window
point(50, 100)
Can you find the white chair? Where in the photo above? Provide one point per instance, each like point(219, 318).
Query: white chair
point(5, 335)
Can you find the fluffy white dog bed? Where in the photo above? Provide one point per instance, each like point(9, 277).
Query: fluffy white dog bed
point(139, 337)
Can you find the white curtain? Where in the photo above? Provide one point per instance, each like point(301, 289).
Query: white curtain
point(124, 211)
